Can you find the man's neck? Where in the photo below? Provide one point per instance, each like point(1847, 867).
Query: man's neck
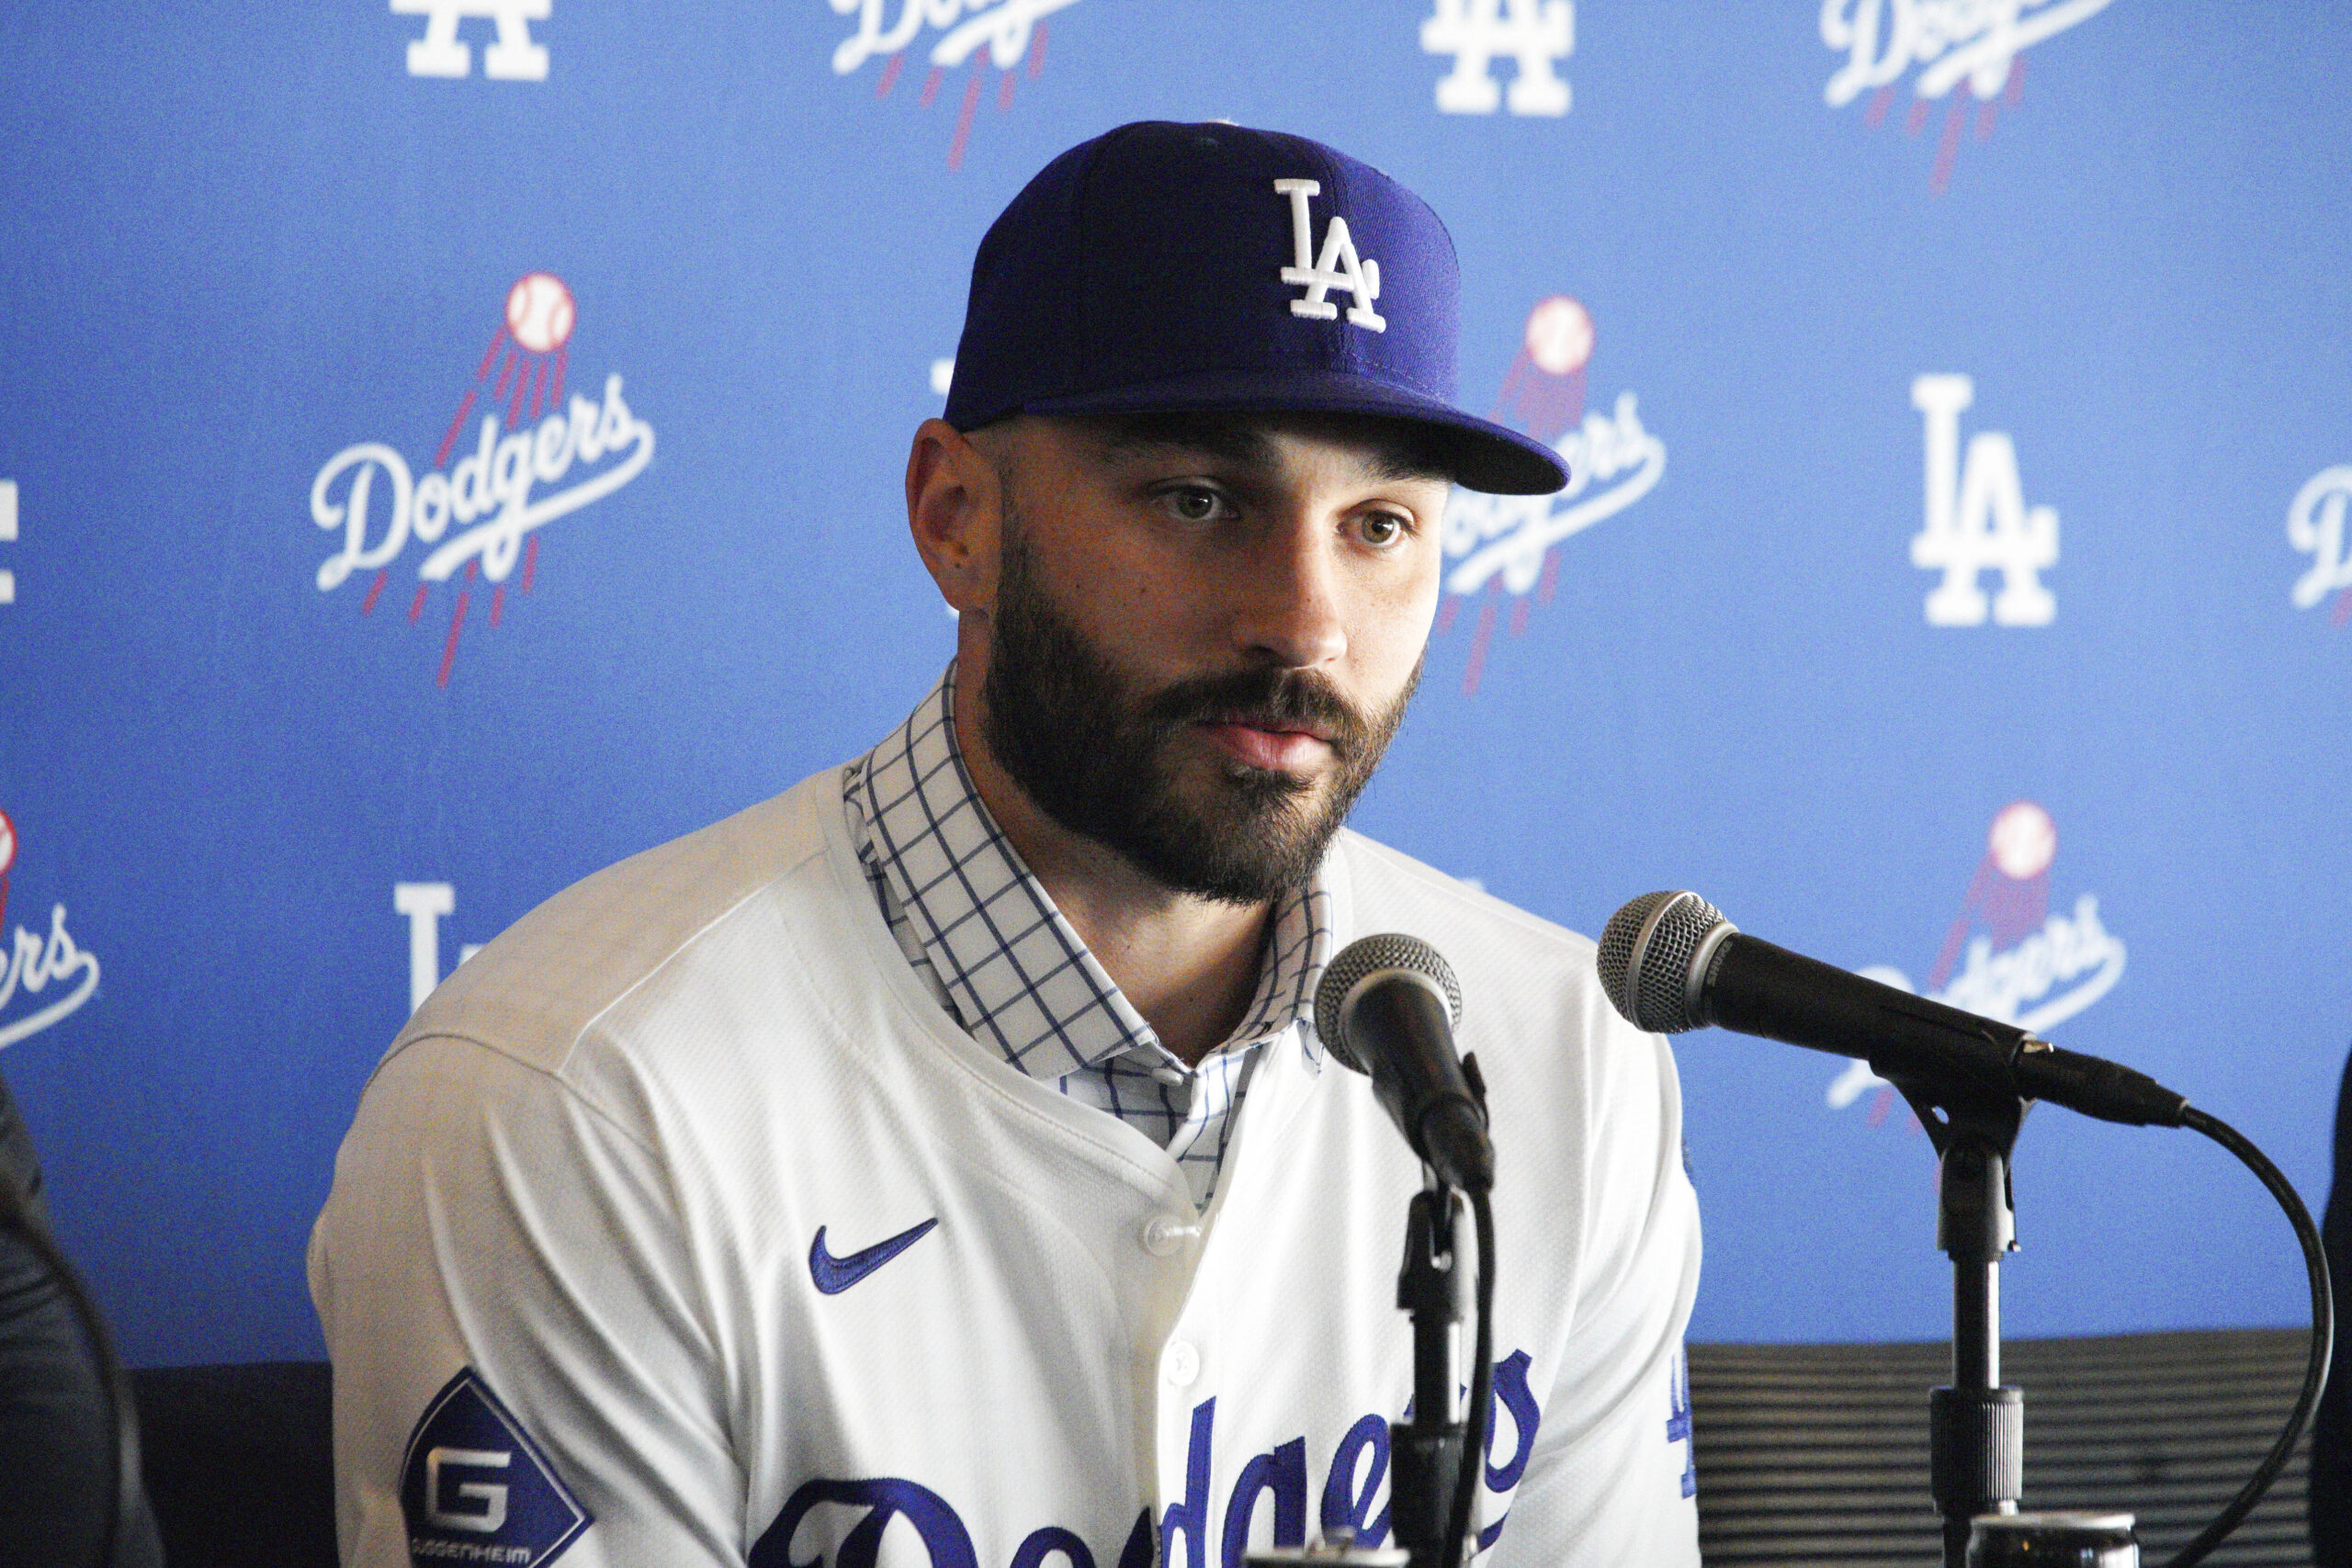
point(1189, 965)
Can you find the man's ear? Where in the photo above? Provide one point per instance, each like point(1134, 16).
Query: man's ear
point(955, 509)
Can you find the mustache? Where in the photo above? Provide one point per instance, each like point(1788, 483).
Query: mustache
point(1269, 698)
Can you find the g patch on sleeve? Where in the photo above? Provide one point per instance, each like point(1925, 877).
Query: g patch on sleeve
point(474, 1488)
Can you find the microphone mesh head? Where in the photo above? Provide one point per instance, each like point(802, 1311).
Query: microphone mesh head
point(1369, 955)
point(1651, 988)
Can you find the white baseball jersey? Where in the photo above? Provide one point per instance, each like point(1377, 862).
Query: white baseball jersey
point(683, 1228)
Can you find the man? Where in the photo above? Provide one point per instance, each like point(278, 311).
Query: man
point(937, 1163)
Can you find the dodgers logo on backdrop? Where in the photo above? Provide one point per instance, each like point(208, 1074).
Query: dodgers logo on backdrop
point(1980, 42)
point(515, 56)
point(1011, 32)
point(38, 960)
point(2007, 954)
point(480, 521)
point(1509, 544)
point(1977, 519)
point(1535, 35)
point(2315, 527)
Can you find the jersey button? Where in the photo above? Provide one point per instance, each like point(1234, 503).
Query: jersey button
point(1180, 1363)
point(1165, 1234)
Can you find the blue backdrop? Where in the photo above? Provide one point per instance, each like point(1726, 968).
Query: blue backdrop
point(444, 448)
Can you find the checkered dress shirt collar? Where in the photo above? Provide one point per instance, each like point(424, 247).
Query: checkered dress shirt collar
point(985, 936)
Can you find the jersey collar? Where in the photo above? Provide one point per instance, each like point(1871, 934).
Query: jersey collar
point(1017, 974)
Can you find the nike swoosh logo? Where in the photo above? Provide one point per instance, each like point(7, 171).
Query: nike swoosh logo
point(834, 1275)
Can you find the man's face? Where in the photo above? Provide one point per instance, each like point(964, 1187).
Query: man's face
point(1206, 632)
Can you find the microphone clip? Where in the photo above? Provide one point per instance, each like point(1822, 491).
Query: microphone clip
point(1975, 1129)
point(1478, 1082)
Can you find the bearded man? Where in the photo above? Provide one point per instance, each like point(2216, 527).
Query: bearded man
point(938, 1163)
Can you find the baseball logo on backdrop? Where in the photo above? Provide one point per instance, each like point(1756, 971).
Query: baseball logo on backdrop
point(479, 520)
point(2007, 955)
point(2315, 527)
point(1507, 546)
point(512, 55)
point(1534, 35)
point(1977, 519)
point(1003, 38)
point(1980, 45)
point(44, 976)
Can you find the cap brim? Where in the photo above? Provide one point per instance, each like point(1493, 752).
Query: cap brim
point(1484, 455)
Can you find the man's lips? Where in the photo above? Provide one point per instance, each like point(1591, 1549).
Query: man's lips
point(1266, 743)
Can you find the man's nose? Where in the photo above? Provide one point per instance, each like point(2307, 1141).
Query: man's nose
point(1290, 599)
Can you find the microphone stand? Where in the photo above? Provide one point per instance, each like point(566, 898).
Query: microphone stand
point(1426, 1451)
point(1975, 1426)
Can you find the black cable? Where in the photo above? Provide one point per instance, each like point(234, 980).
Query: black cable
point(17, 1214)
point(2323, 1335)
point(1482, 1389)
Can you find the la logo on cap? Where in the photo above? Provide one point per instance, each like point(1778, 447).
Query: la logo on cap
point(1338, 268)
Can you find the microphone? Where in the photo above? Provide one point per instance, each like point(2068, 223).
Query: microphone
point(1671, 963)
point(1387, 1008)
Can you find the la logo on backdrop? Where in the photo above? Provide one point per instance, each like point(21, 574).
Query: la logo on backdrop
point(1499, 547)
point(1981, 43)
point(1535, 35)
point(37, 962)
point(1011, 32)
point(479, 522)
point(2007, 954)
point(513, 56)
point(1977, 519)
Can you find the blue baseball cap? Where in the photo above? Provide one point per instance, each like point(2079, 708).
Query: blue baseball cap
point(1167, 267)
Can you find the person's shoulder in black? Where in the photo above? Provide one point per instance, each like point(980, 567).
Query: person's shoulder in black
point(56, 1431)
point(2331, 1471)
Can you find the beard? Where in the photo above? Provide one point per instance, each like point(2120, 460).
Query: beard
point(1104, 758)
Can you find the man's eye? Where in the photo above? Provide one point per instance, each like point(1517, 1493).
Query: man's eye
point(1194, 504)
point(1380, 528)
